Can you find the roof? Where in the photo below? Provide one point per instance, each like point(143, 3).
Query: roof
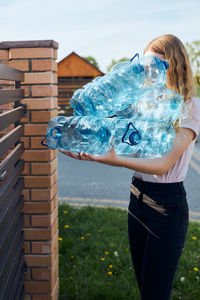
point(74, 65)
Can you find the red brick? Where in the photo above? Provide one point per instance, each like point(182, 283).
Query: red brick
point(39, 77)
point(44, 220)
point(46, 273)
point(37, 234)
point(44, 168)
point(26, 221)
point(35, 129)
point(54, 295)
point(26, 194)
point(40, 181)
point(27, 297)
point(26, 89)
point(31, 53)
point(36, 143)
point(25, 140)
point(44, 91)
point(27, 275)
point(26, 247)
point(37, 287)
point(55, 54)
point(22, 65)
point(40, 234)
point(43, 103)
point(38, 207)
point(39, 155)
point(42, 116)
point(26, 169)
point(41, 247)
point(44, 194)
point(41, 274)
point(44, 65)
point(55, 78)
point(45, 247)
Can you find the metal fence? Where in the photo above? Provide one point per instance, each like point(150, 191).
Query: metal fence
point(12, 265)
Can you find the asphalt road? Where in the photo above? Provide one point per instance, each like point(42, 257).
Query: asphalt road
point(84, 182)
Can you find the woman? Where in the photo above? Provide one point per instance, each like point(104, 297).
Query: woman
point(158, 210)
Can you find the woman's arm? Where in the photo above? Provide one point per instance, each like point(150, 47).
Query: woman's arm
point(155, 166)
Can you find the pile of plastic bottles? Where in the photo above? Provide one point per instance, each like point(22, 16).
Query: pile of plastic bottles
point(130, 105)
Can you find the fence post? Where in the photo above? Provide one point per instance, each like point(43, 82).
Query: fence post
point(37, 59)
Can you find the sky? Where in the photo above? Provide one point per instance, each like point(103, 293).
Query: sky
point(104, 29)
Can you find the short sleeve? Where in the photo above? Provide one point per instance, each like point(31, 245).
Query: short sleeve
point(191, 116)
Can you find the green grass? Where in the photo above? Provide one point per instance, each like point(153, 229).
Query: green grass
point(95, 262)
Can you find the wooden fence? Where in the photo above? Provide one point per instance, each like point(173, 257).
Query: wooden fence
point(12, 266)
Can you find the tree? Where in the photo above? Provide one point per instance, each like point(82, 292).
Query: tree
point(114, 62)
point(193, 50)
point(92, 61)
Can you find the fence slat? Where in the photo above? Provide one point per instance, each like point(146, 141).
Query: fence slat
point(10, 160)
point(7, 214)
point(14, 233)
point(6, 188)
point(10, 138)
point(9, 73)
point(8, 96)
point(10, 117)
point(17, 284)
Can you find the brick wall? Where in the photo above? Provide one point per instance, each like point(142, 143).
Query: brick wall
point(37, 60)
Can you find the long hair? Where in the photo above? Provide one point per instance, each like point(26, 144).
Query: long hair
point(179, 74)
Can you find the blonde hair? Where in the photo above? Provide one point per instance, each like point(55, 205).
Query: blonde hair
point(179, 74)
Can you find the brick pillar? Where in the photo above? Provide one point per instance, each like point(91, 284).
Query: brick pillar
point(37, 59)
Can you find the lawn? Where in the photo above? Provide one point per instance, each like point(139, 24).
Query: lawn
point(95, 262)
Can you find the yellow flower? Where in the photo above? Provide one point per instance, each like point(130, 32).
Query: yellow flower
point(106, 252)
point(112, 245)
point(102, 258)
point(109, 273)
point(66, 226)
point(82, 237)
point(88, 234)
point(195, 269)
point(100, 230)
point(194, 237)
point(110, 266)
point(127, 249)
point(72, 257)
point(65, 211)
point(70, 277)
point(60, 239)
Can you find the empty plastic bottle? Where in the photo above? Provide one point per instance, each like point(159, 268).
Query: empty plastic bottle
point(155, 104)
point(79, 134)
point(123, 85)
point(93, 135)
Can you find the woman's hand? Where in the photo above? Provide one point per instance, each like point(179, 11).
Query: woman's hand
point(109, 158)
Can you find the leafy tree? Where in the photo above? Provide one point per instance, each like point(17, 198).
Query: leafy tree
point(193, 50)
point(92, 61)
point(114, 62)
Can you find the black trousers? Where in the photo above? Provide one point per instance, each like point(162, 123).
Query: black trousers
point(157, 226)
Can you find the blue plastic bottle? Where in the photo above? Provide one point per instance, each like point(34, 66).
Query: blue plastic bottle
point(79, 134)
point(94, 134)
point(123, 85)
